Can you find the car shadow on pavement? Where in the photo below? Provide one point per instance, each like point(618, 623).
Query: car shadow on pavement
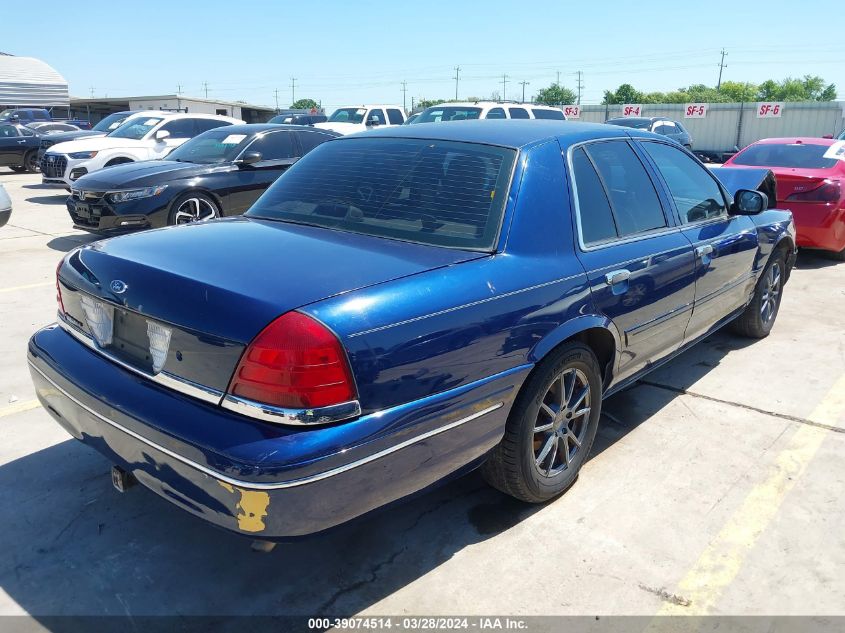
point(813, 260)
point(75, 545)
point(69, 242)
point(41, 187)
point(56, 199)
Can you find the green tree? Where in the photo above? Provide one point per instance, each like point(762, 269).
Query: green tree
point(304, 104)
point(736, 91)
point(555, 95)
point(427, 103)
point(625, 93)
point(808, 88)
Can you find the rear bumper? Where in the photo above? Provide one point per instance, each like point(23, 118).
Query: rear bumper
point(819, 225)
point(259, 479)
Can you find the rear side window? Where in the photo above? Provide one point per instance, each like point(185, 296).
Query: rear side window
point(274, 146)
point(204, 125)
point(633, 198)
point(180, 128)
point(496, 113)
point(695, 192)
point(800, 155)
point(594, 212)
point(310, 140)
point(394, 116)
point(440, 193)
point(519, 113)
point(548, 114)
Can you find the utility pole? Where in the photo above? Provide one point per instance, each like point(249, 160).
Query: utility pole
point(404, 93)
point(558, 78)
point(580, 85)
point(292, 90)
point(504, 86)
point(412, 104)
point(92, 92)
point(457, 78)
point(722, 65)
point(276, 93)
point(178, 89)
point(524, 83)
point(205, 88)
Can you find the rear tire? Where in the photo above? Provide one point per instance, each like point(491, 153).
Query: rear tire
point(30, 163)
point(759, 316)
point(551, 427)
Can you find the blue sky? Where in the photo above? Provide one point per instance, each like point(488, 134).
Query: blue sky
point(357, 52)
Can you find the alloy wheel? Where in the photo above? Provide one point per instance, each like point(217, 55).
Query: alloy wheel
point(562, 421)
point(771, 293)
point(195, 210)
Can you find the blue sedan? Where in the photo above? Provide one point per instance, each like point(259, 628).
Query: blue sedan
point(400, 307)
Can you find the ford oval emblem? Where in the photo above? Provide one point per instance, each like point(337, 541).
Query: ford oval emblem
point(118, 287)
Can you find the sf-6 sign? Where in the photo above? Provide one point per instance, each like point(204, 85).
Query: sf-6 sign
point(632, 109)
point(769, 110)
point(695, 111)
point(572, 111)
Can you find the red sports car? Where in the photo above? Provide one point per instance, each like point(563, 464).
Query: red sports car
point(810, 182)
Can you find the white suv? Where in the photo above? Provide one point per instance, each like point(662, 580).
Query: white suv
point(351, 119)
point(472, 110)
point(146, 137)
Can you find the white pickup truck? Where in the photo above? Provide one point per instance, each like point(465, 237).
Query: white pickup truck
point(350, 119)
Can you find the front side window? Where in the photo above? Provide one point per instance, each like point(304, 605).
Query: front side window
point(25, 131)
point(180, 128)
point(440, 193)
point(111, 122)
point(216, 146)
point(519, 113)
point(274, 146)
point(695, 192)
point(376, 117)
point(137, 128)
point(636, 207)
point(348, 115)
point(394, 116)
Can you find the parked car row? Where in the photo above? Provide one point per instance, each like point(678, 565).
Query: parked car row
point(401, 306)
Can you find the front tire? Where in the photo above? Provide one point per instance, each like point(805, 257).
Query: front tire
point(30, 164)
point(192, 207)
point(759, 316)
point(551, 427)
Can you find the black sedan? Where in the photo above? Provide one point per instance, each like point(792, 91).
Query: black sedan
point(658, 125)
point(218, 173)
point(18, 147)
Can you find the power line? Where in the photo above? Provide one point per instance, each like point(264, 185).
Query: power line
point(456, 78)
point(722, 65)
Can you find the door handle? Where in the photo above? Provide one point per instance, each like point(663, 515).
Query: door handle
point(21, 142)
point(704, 251)
point(617, 277)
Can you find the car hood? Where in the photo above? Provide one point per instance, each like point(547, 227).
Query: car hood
point(229, 278)
point(63, 137)
point(142, 174)
point(341, 128)
point(96, 144)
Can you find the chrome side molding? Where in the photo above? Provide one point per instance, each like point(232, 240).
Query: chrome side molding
point(278, 415)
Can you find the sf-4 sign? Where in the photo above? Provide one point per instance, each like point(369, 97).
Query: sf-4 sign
point(632, 109)
point(695, 111)
point(769, 110)
point(572, 111)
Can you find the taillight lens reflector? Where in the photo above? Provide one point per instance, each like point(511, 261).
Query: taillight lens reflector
point(294, 363)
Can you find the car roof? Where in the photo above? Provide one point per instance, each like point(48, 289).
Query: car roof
point(639, 119)
point(515, 133)
point(255, 128)
point(795, 140)
point(370, 105)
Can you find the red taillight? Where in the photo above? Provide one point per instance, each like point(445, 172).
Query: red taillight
point(830, 191)
point(295, 362)
point(59, 288)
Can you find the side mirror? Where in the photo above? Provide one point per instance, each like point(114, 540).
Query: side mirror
point(248, 158)
point(161, 135)
point(373, 121)
point(749, 202)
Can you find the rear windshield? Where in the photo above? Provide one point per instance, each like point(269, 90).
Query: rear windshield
point(437, 114)
point(439, 193)
point(639, 124)
point(548, 114)
point(786, 155)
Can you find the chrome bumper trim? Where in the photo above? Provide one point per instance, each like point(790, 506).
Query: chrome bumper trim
point(300, 417)
point(163, 378)
point(251, 485)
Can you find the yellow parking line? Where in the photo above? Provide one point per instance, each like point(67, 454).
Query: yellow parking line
point(19, 407)
point(27, 286)
point(721, 561)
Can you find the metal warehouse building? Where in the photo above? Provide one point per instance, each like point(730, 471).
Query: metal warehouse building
point(94, 109)
point(26, 81)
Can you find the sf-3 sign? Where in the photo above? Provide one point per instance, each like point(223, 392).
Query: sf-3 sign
point(695, 111)
point(572, 111)
point(769, 110)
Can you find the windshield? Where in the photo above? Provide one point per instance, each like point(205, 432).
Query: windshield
point(111, 122)
point(448, 113)
point(215, 146)
point(348, 115)
point(440, 193)
point(639, 124)
point(136, 128)
point(799, 155)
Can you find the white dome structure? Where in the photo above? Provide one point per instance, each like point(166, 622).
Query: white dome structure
point(26, 81)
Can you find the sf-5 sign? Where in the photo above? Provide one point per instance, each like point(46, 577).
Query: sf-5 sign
point(632, 109)
point(572, 111)
point(769, 110)
point(695, 111)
